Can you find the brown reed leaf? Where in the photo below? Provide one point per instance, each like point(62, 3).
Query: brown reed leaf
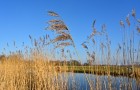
point(52, 13)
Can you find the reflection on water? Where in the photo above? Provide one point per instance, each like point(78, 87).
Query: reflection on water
point(80, 81)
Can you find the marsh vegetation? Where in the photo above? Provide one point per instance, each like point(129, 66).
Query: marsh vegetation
point(49, 64)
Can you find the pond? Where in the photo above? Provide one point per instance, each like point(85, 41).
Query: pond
point(81, 81)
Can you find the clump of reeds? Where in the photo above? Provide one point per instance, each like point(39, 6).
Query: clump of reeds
point(63, 38)
point(130, 34)
point(33, 69)
point(24, 74)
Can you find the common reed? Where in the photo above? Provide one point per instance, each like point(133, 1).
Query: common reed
point(45, 65)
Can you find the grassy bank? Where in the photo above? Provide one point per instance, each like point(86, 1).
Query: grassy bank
point(106, 70)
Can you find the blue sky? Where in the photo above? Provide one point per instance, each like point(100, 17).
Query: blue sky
point(21, 18)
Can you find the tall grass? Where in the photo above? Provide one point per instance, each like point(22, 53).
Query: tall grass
point(33, 68)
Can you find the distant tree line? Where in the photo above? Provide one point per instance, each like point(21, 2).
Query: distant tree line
point(69, 63)
point(56, 62)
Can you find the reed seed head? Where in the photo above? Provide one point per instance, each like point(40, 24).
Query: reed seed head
point(93, 25)
point(122, 24)
point(138, 20)
point(84, 46)
point(127, 20)
point(30, 37)
point(62, 38)
point(138, 29)
point(57, 27)
point(133, 13)
point(51, 13)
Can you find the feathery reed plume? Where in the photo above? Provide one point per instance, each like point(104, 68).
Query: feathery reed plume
point(84, 46)
point(103, 28)
point(63, 44)
point(61, 30)
point(41, 39)
point(138, 20)
point(47, 36)
point(56, 22)
point(119, 46)
point(51, 13)
point(102, 45)
point(63, 33)
point(122, 24)
point(93, 25)
point(30, 37)
point(92, 56)
point(22, 43)
point(92, 34)
point(35, 42)
point(14, 43)
point(133, 13)
point(7, 45)
point(93, 41)
point(127, 20)
point(138, 29)
point(62, 38)
point(57, 27)
point(95, 32)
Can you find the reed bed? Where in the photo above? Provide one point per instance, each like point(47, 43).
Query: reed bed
point(47, 63)
point(20, 74)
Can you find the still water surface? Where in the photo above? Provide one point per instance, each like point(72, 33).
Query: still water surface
point(78, 81)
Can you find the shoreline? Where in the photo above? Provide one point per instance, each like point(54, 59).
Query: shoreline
point(105, 70)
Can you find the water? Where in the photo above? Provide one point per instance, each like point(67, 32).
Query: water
point(81, 81)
